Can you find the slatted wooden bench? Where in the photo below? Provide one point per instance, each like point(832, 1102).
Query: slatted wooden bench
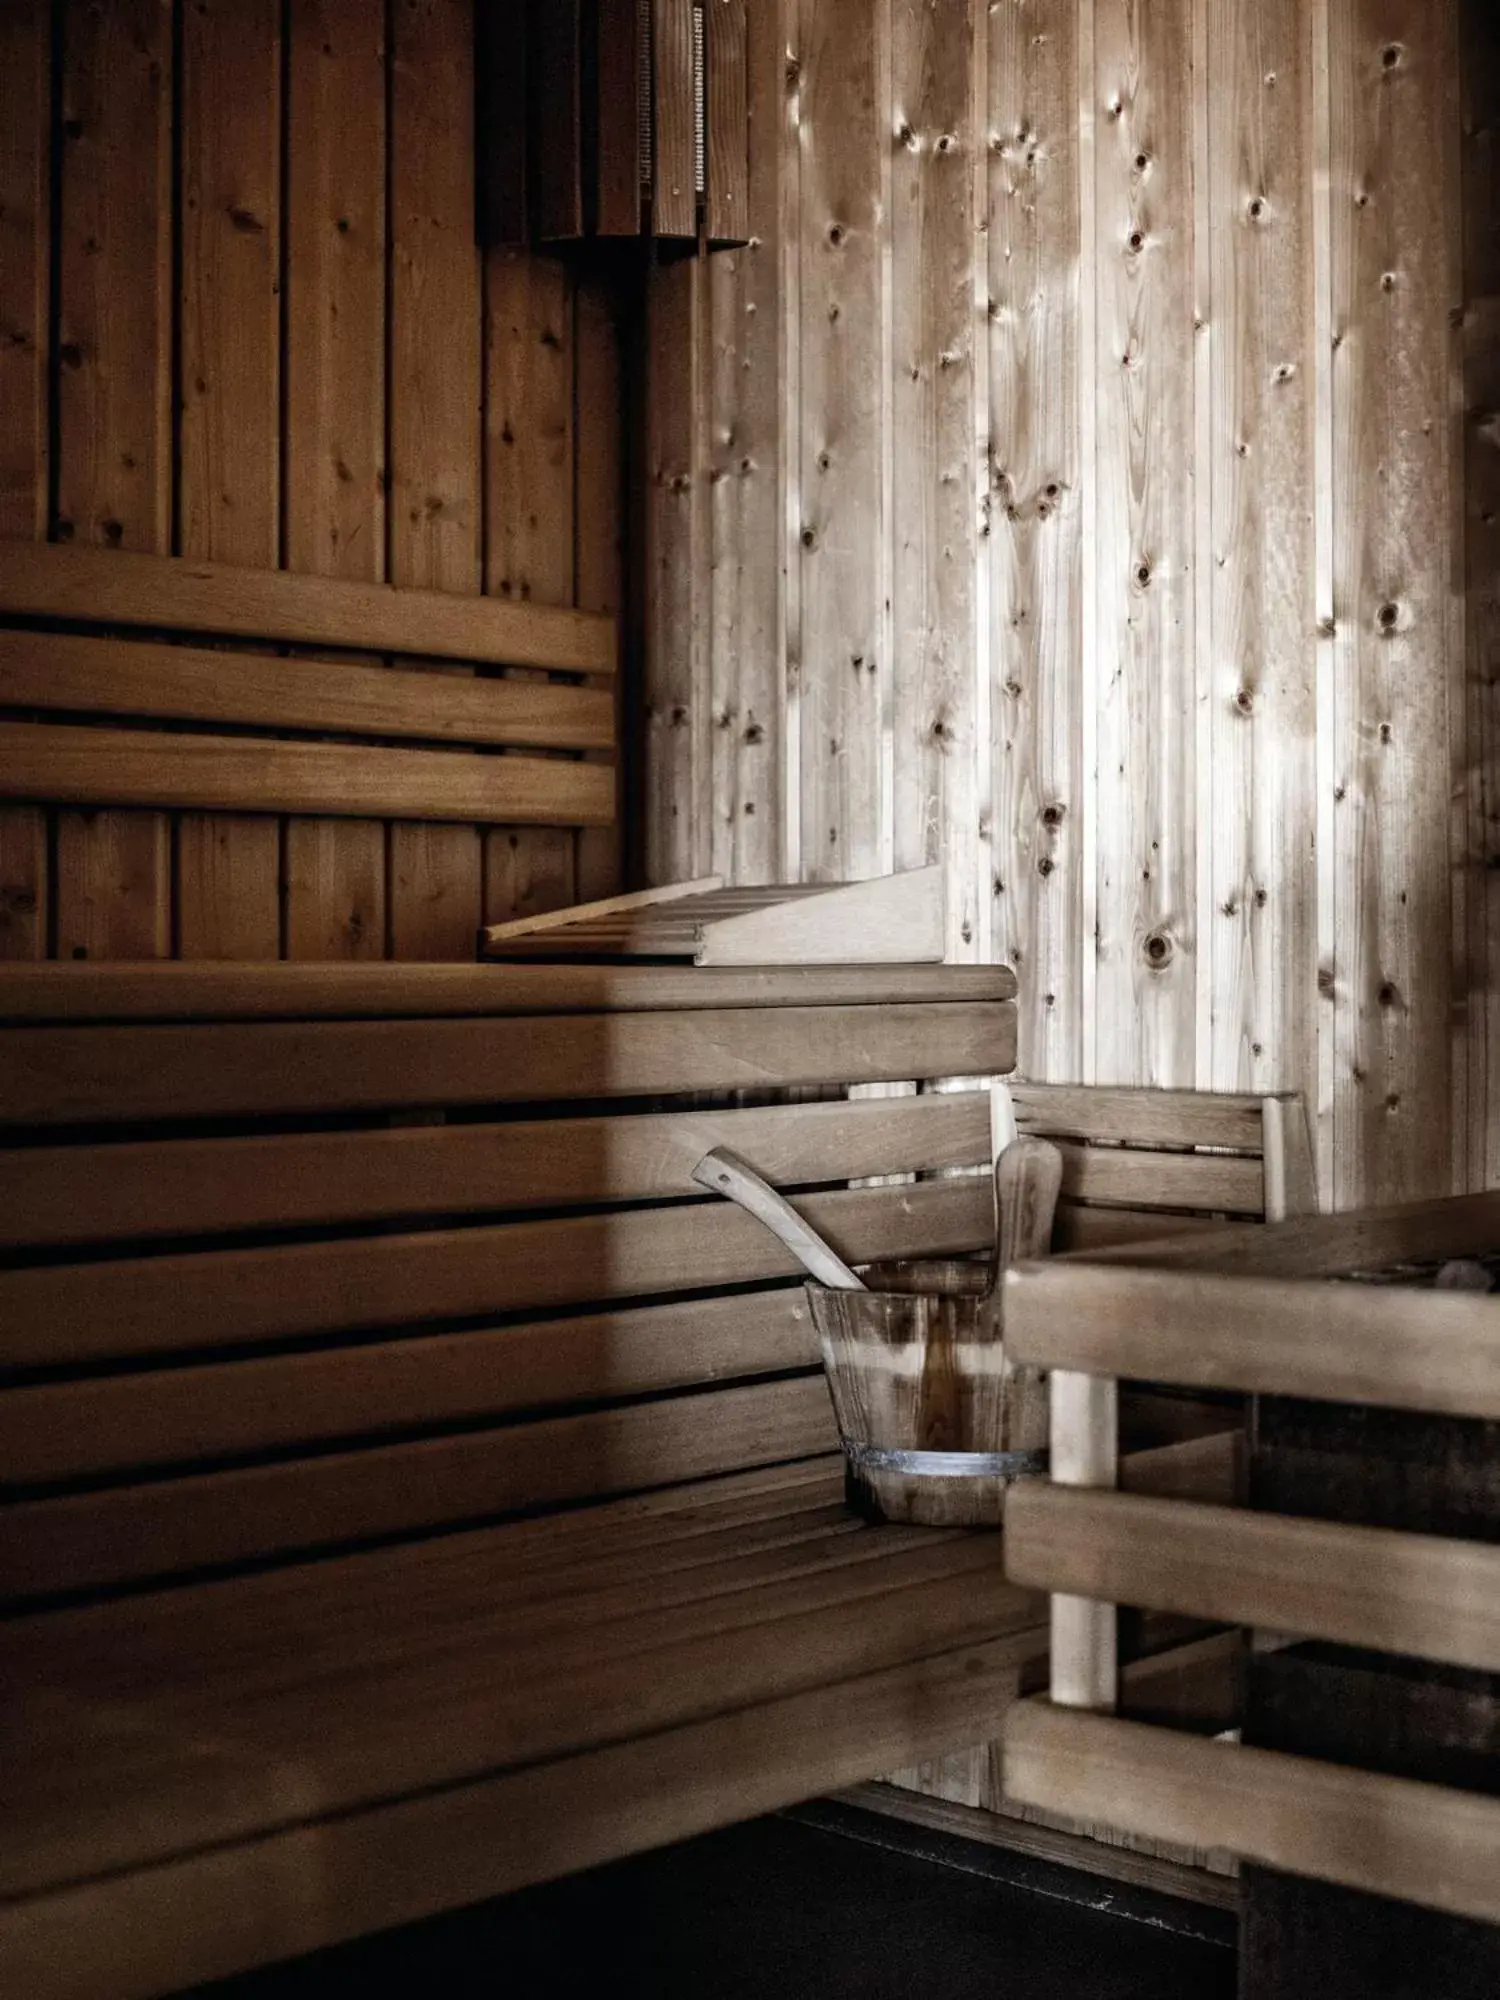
point(415, 1486)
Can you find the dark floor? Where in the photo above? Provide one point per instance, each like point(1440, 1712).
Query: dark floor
point(808, 1908)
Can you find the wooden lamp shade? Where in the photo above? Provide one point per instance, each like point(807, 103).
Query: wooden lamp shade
point(613, 119)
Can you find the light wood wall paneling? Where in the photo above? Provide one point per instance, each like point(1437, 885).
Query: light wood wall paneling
point(334, 886)
point(932, 517)
point(1395, 1086)
point(1257, 925)
point(1035, 480)
point(434, 419)
point(745, 333)
point(114, 405)
point(677, 722)
point(1480, 68)
point(25, 279)
point(845, 668)
point(598, 505)
point(529, 457)
point(1146, 995)
point(228, 865)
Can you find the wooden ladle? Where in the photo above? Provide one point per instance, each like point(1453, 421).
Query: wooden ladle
point(723, 1172)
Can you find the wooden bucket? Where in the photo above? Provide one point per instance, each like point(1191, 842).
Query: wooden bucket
point(935, 1424)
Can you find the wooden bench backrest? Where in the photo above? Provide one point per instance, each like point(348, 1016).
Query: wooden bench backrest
point(285, 1274)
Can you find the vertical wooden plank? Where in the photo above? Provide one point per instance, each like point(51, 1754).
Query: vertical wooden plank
point(673, 202)
point(335, 889)
point(229, 471)
point(1146, 985)
point(1479, 64)
point(529, 366)
point(528, 429)
point(334, 445)
point(746, 334)
point(25, 226)
point(789, 220)
point(1036, 498)
point(528, 870)
point(931, 494)
point(114, 470)
point(502, 83)
point(617, 108)
point(1259, 922)
point(435, 445)
point(844, 671)
point(1393, 64)
point(728, 120)
point(677, 795)
point(598, 503)
point(553, 86)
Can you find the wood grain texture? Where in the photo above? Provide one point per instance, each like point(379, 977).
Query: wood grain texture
point(932, 363)
point(334, 886)
point(748, 443)
point(1397, 1092)
point(434, 412)
point(599, 503)
point(114, 403)
point(188, 992)
point(1034, 481)
point(25, 404)
point(1146, 1023)
point(1258, 927)
point(228, 445)
point(845, 669)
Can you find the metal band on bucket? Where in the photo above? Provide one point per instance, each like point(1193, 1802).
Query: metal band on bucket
point(946, 1464)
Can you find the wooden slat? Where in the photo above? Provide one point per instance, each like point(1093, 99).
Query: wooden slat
point(673, 202)
point(148, 1305)
point(114, 472)
point(55, 670)
point(553, 81)
point(1139, 1117)
point(89, 766)
point(1142, 1178)
point(229, 471)
point(99, 1539)
point(615, 110)
point(183, 1415)
point(1389, 1836)
point(1094, 1231)
point(1426, 1595)
point(409, 1860)
point(1145, 1026)
point(1257, 908)
point(727, 53)
point(843, 655)
point(54, 1075)
point(934, 522)
point(599, 505)
point(117, 588)
point(187, 1187)
point(444, 1582)
point(1396, 1072)
point(1385, 1345)
point(652, 1672)
point(185, 992)
point(335, 443)
point(500, 62)
point(1039, 481)
point(433, 420)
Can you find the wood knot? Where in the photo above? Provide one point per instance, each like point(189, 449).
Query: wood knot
point(835, 233)
point(1388, 617)
point(1135, 242)
point(1157, 950)
point(1244, 701)
point(1054, 815)
point(1388, 995)
point(1143, 574)
point(1044, 866)
point(809, 538)
point(1257, 208)
point(1142, 162)
point(1390, 56)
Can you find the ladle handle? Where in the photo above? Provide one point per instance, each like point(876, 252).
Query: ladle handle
point(723, 1172)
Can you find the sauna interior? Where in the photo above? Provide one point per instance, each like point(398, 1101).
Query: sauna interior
point(465, 460)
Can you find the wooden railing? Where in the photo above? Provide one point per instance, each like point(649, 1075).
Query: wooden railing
point(1252, 1321)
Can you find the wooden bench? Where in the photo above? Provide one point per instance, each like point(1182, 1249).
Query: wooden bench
point(415, 1488)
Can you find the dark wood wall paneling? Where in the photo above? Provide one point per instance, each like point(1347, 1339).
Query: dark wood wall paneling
point(243, 317)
